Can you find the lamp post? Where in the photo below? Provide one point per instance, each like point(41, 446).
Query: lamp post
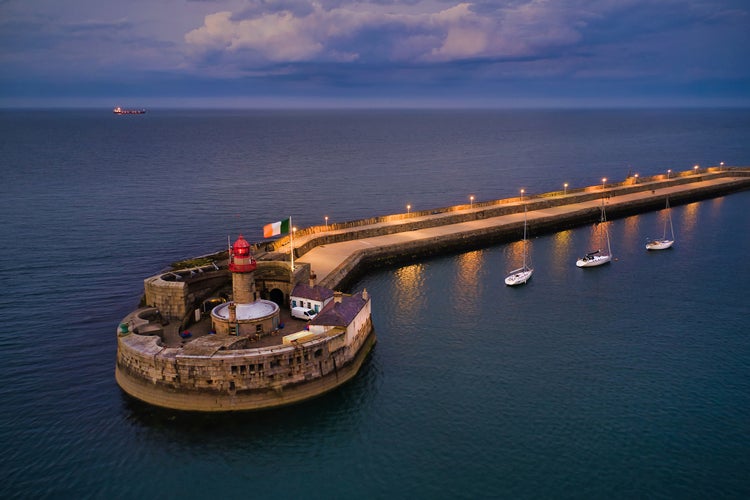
point(565, 188)
point(522, 191)
point(636, 178)
point(471, 201)
point(326, 222)
point(695, 169)
point(604, 179)
point(721, 164)
point(408, 209)
point(669, 172)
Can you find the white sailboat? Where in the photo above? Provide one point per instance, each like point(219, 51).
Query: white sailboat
point(663, 243)
point(522, 274)
point(599, 256)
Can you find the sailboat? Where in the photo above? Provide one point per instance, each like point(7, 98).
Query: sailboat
point(663, 243)
point(522, 274)
point(599, 256)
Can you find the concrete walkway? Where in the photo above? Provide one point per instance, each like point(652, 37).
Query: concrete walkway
point(325, 259)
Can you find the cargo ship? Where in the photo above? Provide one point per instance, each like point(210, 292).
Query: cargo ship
point(120, 111)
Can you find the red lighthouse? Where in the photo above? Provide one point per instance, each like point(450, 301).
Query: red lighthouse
point(242, 264)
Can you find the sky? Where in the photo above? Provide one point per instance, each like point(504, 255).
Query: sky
point(376, 53)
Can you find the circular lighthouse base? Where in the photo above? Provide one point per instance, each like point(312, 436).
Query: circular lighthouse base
point(259, 317)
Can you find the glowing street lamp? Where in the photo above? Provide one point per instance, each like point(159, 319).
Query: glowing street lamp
point(721, 163)
point(326, 217)
point(695, 169)
point(471, 201)
point(522, 191)
point(604, 179)
point(565, 188)
point(408, 209)
point(636, 178)
point(669, 172)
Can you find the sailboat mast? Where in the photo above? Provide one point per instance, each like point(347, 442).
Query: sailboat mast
point(524, 237)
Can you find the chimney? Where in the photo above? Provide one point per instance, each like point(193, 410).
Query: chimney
point(337, 296)
point(313, 277)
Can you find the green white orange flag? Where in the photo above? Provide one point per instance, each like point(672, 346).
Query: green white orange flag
point(275, 228)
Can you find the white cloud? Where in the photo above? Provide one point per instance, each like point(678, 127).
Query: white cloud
point(426, 31)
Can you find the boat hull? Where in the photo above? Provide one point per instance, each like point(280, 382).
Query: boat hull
point(518, 277)
point(596, 260)
point(659, 244)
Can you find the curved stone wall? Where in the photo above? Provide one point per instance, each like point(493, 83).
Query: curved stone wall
point(235, 378)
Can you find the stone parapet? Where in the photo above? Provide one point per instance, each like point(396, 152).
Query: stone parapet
point(236, 378)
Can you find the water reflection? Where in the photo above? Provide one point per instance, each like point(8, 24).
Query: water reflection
point(630, 229)
point(408, 287)
point(687, 221)
point(469, 281)
point(598, 236)
point(513, 255)
point(561, 246)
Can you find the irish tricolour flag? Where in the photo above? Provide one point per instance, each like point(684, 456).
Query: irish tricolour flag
point(281, 227)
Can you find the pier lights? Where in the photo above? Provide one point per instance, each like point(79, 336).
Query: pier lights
point(565, 188)
point(695, 169)
point(408, 209)
point(604, 180)
point(522, 191)
point(669, 172)
point(471, 201)
point(636, 178)
point(326, 218)
point(721, 164)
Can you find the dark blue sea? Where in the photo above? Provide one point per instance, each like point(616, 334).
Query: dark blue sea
point(626, 381)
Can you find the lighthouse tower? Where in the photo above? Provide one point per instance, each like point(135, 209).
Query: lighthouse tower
point(246, 314)
point(242, 264)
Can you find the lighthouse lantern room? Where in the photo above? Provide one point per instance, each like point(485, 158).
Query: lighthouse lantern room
point(242, 264)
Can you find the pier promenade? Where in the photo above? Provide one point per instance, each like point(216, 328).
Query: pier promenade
point(339, 254)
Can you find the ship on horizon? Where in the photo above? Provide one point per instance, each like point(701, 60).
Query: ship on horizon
point(121, 111)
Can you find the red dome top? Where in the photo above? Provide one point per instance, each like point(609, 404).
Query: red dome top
point(241, 247)
point(241, 261)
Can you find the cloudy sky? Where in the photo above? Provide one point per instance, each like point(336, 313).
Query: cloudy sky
point(388, 53)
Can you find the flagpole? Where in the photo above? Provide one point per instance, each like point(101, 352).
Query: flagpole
point(291, 242)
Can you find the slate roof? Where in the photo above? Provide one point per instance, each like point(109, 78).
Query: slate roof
point(342, 313)
point(317, 292)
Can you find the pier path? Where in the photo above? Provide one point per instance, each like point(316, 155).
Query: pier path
point(333, 254)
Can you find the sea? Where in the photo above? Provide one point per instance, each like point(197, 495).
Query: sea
point(630, 380)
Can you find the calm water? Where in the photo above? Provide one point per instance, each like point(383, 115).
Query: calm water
point(630, 380)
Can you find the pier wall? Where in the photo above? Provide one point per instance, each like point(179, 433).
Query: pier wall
point(237, 378)
point(320, 235)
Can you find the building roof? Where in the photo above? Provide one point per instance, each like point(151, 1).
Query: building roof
point(317, 292)
point(340, 313)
